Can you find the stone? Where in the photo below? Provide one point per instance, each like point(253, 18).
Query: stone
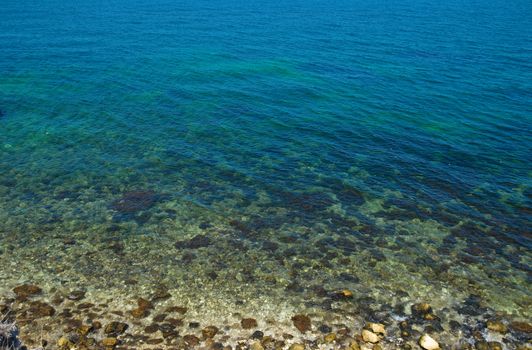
point(256, 346)
point(428, 343)
point(144, 304)
point(302, 323)
point(178, 309)
point(109, 342)
point(522, 327)
point(369, 337)
point(248, 323)
point(39, 309)
point(191, 340)
point(324, 329)
point(209, 332)
point(494, 345)
point(115, 328)
point(198, 241)
point(329, 338)
point(257, 335)
point(481, 345)
point(76, 295)
point(376, 328)
point(63, 342)
point(343, 294)
point(26, 290)
point(421, 309)
point(84, 330)
point(135, 201)
point(497, 326)
point(297, 347)
point(353, 345)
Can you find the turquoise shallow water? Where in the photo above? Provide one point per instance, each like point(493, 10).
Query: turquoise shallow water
point(378, 146)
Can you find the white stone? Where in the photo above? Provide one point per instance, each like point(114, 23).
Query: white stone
point(427, 343)
point(377, 328)
point(369, 336)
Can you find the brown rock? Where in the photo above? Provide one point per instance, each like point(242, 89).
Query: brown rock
point(64, 343)
point(329, 338)
point(494, 345)
point(421, 309)
point(302, 323)
point(191, 339)
point(115, 327)
point(76, 295)
point(39, 309)
point(497, 326)
point(84, 330)
point(152, 328)
point(297, 347)
point(26, 290)
point(139, 313)
point(109, 342)
point(209, 332)
point(522, 327)
point(248, 323)
point(178, 309)
point(144, 304)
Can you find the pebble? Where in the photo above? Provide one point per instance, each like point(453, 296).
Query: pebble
point(329, 338)
point(115, 327)
point(63, 342)
point(26, 290)
point(428, 343)
point(353, 345)
point(522, 327)
point(256, 346)
point(324, 329)
point(209, 332)
point(421, 309)
point(297, 347)
point(109, 342)
point(39, 309)
point(302, 323)
point(248, 323)
point(497, 326)
point(76, 295)
point(191, 339)
point(369, 336)
point(376, 328)
point(257, 335)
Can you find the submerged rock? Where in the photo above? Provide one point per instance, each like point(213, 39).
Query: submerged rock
point(76, 295)
point(115, 328)
point(297, 347)
point(428, 343)
point(209, 332)
point(109, 342)
point(248, 323)
point(134, 201)
point(522, 327)
point(497, 326)
point(40, 309)
point(377, 328)
point(370, 337)
point(421, 309)
point(191, 340)
point(302, 323)
point(26, 290)
point(198, 241)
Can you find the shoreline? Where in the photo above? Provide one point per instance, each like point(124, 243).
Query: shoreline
point(71, 319)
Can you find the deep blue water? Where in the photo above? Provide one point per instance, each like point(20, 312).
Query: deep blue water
point(399, 129)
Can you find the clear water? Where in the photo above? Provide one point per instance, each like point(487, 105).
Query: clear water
point(382, 147)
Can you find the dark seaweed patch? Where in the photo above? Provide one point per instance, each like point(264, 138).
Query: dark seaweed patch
point(135, 201)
